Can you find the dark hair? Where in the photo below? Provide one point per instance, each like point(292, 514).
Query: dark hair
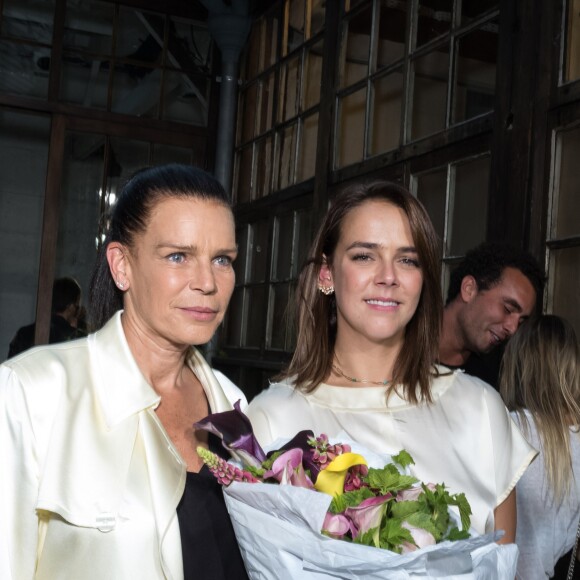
point(316, 313)
point(486, 264)
point(65, 291)
point(130, 216)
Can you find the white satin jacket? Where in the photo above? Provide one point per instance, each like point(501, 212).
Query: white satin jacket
point(90, 480)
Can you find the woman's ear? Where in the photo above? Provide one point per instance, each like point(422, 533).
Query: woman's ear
point(118, 264)
point(325, 274)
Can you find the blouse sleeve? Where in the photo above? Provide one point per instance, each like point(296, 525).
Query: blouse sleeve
point(259, 412)
point(512, 454)
point(18, 482)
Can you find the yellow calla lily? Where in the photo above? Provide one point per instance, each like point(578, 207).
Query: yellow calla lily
point(331, 479)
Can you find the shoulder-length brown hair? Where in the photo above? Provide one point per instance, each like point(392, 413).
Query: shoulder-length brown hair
point(316, 313)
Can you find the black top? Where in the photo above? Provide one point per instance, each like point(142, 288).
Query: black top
point(484, 366)
point(60, 331)
point(209, 546)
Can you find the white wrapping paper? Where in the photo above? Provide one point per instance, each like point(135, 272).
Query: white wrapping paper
point(277, 527)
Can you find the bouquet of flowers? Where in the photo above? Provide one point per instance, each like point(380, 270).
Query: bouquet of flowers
point(328, 492)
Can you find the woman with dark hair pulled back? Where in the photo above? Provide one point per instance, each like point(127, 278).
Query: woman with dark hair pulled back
point(102, 478)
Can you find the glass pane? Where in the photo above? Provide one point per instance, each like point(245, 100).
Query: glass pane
point(258, 251)
point(280, 318)
point(565, 274)
point(189, 45)
point(125, 158)
point(469, 213)
point(566, 205)
point(471, 10)
point(474, 87)
point(289, 100)
point(287, 156)
point(252, 53)
point(263, 181)
point(23, 160)
point(81, 208)
point(256, 321)
point(248, 115)
point(140, 35)
point(28, 20)
point(434, 19)
point(271, 38)
point(356, 41)
point(235, 318)
point(240, 264)
point(317, 16)
point(313, 76)
point(432, 193)
point(351, 128)
point(185, 98)
point(171, 154)
point(430, 93)
point(392, 27)
point(307, 154)
point(266, 104)
point(304, 240)
point(295, 31)
point(572, 53)
point(387, 105)
point(24, 69)
point(350, 4)
point(84, 81)
point(244, 180)
point(284, 244)
point(89, 26)
point(136, 90)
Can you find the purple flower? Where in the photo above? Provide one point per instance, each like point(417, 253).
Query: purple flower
point(223, 471)
point(236, 433)
point(288, 469)
point(368, 514)
point(335, 525)
point(353, 479)
point(301, 441)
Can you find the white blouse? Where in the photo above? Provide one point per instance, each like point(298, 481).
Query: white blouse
point(464, 439)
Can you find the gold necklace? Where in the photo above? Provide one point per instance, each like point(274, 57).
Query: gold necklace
point(338, 370)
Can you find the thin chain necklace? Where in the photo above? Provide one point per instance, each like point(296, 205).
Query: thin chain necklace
point(338, 370)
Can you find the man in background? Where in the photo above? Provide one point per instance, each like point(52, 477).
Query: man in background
point(65, 312)
point(491, 292)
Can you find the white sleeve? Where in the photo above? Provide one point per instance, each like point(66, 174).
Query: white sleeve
point(260, 419)
point(19, 482)
point(231, 391)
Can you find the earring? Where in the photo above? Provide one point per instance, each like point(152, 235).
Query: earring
point(121, 284)
point(326, 290)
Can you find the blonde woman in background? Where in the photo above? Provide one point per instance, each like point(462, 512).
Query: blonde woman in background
point(540, 384)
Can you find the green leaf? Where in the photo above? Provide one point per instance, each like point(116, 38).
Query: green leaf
point(349, 499)
point(393, 534)
point(401, 509)
point(424, 521)
point(456, 534)
point(403, 459)
point(366, 539)
point(388, 479)
point(267, 463)
point(255, 471)
point(461, 502)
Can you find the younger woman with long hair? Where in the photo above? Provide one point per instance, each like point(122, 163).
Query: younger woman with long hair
point(369, 318)
point(540, 384)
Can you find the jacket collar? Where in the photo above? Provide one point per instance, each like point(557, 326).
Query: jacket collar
point(121, 388)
